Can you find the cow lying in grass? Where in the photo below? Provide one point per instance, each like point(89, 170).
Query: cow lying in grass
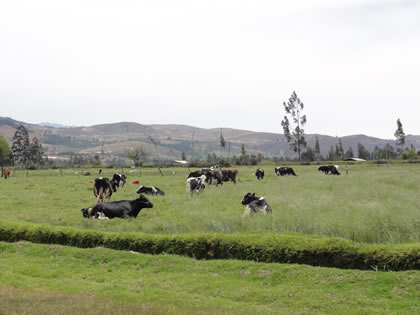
point(255, 204)
point(117, 209)
point(284, 171)
point(150, 191)
point(333, 169)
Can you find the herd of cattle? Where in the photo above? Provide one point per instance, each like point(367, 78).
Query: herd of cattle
point(196, 182)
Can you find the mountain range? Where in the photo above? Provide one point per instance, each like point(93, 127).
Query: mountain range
point(168, 142)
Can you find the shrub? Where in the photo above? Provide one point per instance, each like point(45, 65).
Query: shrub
point(263, 247)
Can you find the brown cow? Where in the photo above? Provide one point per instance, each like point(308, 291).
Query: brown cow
point(5, 172)
point(230, 175)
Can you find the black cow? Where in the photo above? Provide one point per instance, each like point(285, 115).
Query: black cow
point(333, 169)
point(117, 209)
point(102, 189)
point(259, 173)
point(196, 184)
point(150, 190)
point(280, 171)
point(117, 180)
point(255, 204)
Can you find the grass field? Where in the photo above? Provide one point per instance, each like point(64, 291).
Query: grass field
point(372, 204)
point(51, 279)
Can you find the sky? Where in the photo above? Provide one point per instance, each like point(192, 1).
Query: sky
point(355, 64)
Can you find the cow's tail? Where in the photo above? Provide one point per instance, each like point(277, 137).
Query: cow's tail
point(100, 195)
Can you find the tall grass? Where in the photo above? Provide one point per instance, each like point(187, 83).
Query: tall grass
point(372, 204)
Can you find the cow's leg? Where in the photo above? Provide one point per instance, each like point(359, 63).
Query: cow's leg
point(102, 216)
point(247, 211)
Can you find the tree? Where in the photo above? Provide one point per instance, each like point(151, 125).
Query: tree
point(243, 152)
point(4, 151)
point(222, 140)
point(21, 147)
point(400, 136)
point(137, 154)
point(317, 150)
point(349, 153)
point(362, 152)
point(308, 155)
point(35, 156)
point(294, 133)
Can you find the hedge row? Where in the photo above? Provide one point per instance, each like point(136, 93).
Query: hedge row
point(262, 247)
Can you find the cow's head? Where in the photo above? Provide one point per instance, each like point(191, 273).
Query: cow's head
point(85, 212)
point(248, 198)
point(145, 202)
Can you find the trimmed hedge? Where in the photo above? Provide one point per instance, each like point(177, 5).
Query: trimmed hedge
point(262, 247)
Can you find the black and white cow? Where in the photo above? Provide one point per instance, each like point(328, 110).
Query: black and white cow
point(196, 184)
point(213, 177)
point(117, 180)
point(259, 173)
point(280, 171)
point(255, 204)
point(102, 189)
point(216, 177)
point(117, 209)
point(333, 169)
point(150, 191)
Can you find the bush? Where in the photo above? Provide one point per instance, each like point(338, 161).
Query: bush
point(263, 247)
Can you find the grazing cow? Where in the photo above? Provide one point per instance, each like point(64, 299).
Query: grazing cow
point(333, 169)
point(212, 176)
point(5, 172)
point(117, 209)
point(117, 180)
point(150, 190)
point(255, 204)
point(216, 177)
point(259, 173)
point(102, 189)
point(196, 173)
point(230, 175)
point(196, 184)
point(280, 171)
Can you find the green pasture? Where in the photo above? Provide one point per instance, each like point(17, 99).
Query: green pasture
point(52, 279)
point(372, 204)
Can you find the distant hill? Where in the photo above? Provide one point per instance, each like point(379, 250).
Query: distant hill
point(113, 140)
